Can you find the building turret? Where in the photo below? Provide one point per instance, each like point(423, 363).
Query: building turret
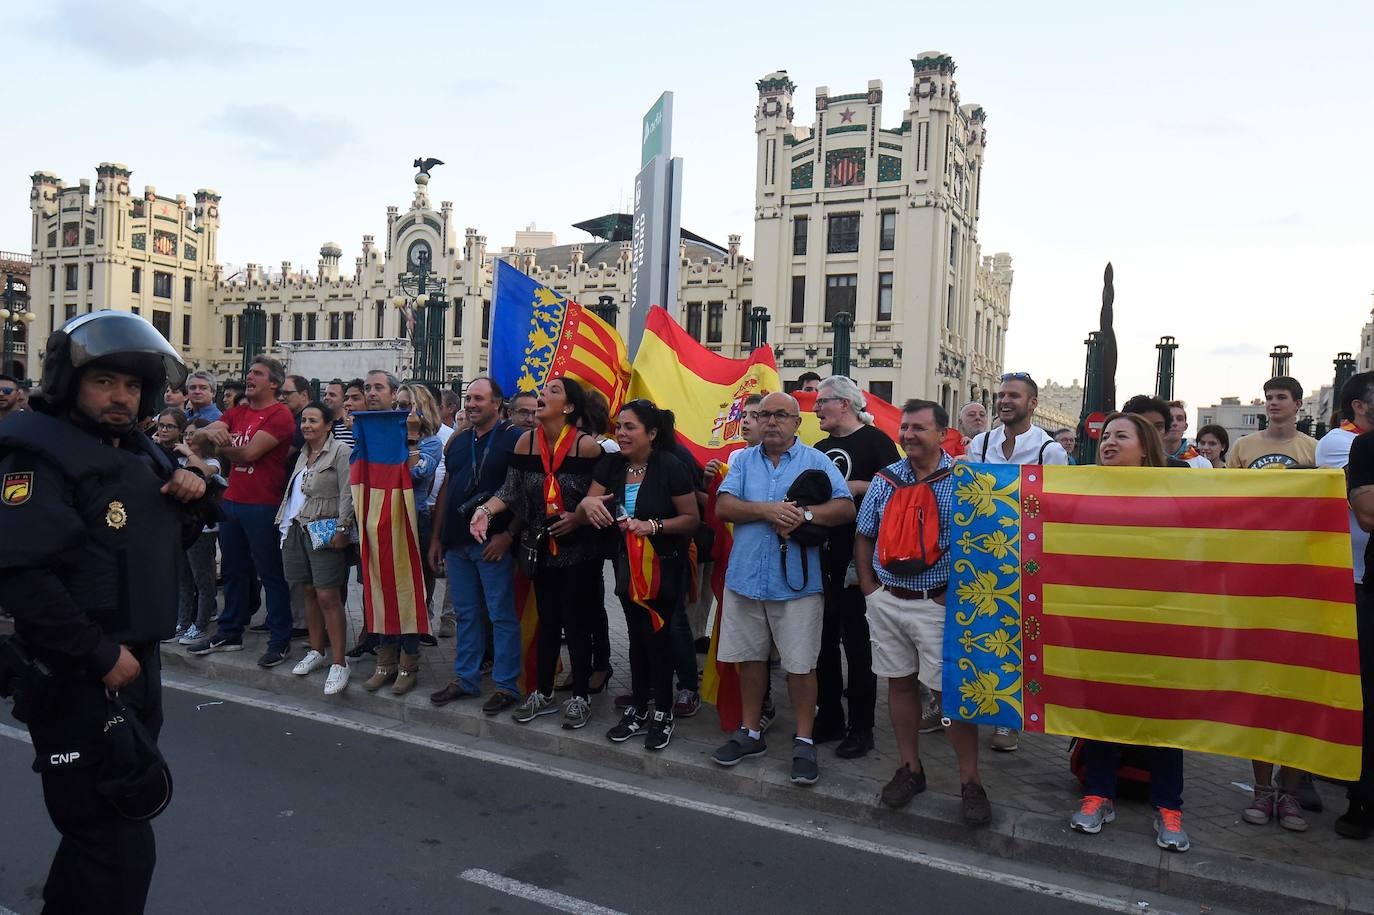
point(330, 252)
point(111, 203)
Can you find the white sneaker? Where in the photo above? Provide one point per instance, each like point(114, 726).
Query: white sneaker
point(337, 679)
point(312, 661)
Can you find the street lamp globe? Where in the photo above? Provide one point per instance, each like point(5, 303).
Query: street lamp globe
point(399, 301)
point(4, 314)
point(29, 317)
point(422, 300)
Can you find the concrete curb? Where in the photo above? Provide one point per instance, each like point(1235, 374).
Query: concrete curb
point(1214, 877)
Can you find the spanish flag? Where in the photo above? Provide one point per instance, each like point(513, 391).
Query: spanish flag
point(1209, 612)
point(885, 417)
point(705, 390)
point(388, 530)
point(537, 334)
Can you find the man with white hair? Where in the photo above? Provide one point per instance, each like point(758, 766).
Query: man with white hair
point(859, 450)
point(973, 419)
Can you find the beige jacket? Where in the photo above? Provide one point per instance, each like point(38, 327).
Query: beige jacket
point(325, 485)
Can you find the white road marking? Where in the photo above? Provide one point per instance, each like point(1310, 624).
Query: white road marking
point(922, 859)
point(15, 734)
point(556, 901)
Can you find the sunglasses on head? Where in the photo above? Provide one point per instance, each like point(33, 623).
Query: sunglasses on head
point(1016, 376)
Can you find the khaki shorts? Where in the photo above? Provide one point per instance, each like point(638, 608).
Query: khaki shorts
point(302, 565)
point(908, 637)
point(748, 629)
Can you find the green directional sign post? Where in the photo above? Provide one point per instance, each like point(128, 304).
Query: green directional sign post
point(657, 221)
point(657, 135)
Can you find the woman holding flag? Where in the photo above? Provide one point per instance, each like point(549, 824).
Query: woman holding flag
point(649, 494)
point(550, 473)
point(1129, 440)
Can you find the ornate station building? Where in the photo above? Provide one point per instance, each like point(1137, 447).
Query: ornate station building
point(880, 222)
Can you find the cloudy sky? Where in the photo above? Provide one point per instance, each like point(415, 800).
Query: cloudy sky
point(1217, 153)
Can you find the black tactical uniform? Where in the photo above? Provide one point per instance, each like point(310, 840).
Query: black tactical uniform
point(88, 561)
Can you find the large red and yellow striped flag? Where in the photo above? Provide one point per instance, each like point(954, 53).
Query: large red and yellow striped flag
point(705, 390)
point(537, 334)
point(388, 532)
point(1205, 611)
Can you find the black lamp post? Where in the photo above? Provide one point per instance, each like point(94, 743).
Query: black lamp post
point(424, 292)
point(841, 327)
point(606, 309)
point(254, 334)
point(1164, 376)
point(758, 327)
point(1345, 369)
point(1279, 361)
point(14, 315)
point(1092, 394)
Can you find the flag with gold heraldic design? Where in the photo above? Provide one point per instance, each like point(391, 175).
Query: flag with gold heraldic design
point(1205, 611)
point(388, 531)
point(537, 334)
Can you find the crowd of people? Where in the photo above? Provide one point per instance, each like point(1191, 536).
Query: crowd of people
point(539, 490)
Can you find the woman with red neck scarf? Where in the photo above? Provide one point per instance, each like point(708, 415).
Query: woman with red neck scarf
point(549, 476)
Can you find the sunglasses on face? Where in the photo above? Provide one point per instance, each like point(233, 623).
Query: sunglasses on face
point(7, 391)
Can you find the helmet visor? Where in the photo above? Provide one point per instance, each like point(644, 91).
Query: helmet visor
point(106, 334)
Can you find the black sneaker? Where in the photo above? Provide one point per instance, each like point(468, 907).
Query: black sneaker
point(767, 716)
point(856, 743)
point(211, 644)
point(300, 633)
point(274, 655)
point(805, 771)
point(260, 627)
point(427, 638)
point(903, 787)
point(630, 724)
point(739, 746)
point(660, 732)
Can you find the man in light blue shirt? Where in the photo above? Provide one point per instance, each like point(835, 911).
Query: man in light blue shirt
point(773, 587)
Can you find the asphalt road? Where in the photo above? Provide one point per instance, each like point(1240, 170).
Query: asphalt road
point(275, 813)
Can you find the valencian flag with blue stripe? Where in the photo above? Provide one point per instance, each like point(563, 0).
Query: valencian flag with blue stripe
point(537, 334)
point(1205, 611)
point(388, 532)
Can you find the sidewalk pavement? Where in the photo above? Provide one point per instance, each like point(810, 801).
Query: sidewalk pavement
point(1231, 864)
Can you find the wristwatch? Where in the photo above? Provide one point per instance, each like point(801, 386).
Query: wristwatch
point(806, 513)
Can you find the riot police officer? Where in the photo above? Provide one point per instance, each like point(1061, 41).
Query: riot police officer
point(92, 514)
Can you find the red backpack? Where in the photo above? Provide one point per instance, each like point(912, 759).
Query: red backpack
point(909, 534)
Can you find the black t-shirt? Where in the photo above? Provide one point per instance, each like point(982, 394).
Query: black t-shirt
point(664, 478)
point(857, 456)
point(1360, 472)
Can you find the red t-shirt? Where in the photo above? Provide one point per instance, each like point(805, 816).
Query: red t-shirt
point(263, 481)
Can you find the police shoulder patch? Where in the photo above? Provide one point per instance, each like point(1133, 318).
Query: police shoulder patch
point(16, 487)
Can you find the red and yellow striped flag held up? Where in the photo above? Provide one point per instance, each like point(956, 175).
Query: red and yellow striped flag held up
point(1205, 611)
point(645, 574)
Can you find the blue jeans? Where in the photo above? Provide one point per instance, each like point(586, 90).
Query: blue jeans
point(1166, 772)
point(249, 540)
point(473, 582)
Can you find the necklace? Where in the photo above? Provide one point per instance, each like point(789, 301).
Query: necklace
point(638, 471)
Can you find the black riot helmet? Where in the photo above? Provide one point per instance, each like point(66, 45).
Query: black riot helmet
point(114, 340)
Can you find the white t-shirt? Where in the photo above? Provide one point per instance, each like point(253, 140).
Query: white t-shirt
point(1334, 451)
point(295, 501)
point(445, 433)
point(1030, 448)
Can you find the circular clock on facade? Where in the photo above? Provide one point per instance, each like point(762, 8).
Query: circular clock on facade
point(418, 253)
